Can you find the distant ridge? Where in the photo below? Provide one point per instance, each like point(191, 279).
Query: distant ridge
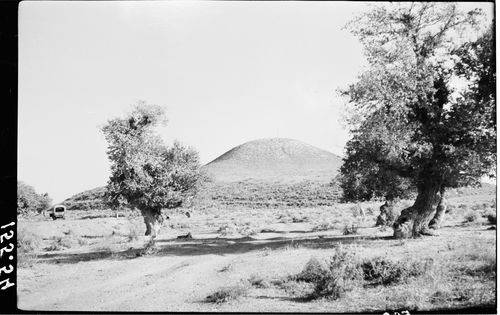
point(274, 159)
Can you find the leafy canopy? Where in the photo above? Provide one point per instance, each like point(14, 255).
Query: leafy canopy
point(424, 108)
point(145, 173)
point(28, 201)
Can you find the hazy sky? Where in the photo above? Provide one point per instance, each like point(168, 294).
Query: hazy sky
point(226, 72)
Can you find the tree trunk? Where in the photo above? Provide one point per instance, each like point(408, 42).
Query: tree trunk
point(153, 220)
point(413, 221)
point(440, 211)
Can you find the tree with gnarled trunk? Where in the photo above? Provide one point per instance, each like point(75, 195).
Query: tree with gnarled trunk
point(409, 117)
point(145, 173)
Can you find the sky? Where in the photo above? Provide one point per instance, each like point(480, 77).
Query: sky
point(226, 73)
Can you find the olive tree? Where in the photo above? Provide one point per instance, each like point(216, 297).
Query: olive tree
point(145, 173)
point(409, 118)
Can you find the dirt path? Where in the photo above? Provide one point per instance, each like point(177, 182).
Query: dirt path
point(120, 285)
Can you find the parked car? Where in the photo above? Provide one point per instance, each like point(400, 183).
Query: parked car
point(57, 211)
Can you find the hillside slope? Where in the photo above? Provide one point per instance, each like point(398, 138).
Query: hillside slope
point(274, 159)
point(88, 200)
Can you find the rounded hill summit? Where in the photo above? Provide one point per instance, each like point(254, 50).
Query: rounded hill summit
point(274, 159)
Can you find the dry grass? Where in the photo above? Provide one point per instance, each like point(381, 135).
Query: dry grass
point(228, 293)
point(61, 243)
point(27, 244)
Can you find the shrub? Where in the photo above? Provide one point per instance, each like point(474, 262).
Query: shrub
point(228, 293)
point(492, 218)
point(383, 271)
point(370, 211)
point(246, 231)
point(60, 243)
point(295, 288)
point(353, 230)
point(27, 241)
point(334, 278)
point(488, 269)
point(471, 217)
point(313, 271)
point(149, 248)
point(258, 281)
point(298, 220)
point(226, 229)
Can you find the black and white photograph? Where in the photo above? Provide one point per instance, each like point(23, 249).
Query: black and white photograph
point(255, 156)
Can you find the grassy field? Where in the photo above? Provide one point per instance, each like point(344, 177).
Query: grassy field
point(242, 258)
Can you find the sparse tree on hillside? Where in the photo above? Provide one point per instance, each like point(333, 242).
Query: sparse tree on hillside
point(145, 173)
point(28, 201)
point(407, 119)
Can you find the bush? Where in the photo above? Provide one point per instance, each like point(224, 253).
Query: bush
point(60, 243)
point(383, 271)
point(27, 241)
point(353, 230)
point(492, 218)
point(333, 279)
point(257, 281)
point(149, 248)
point(226, 230)
point(471, 217)
point(313, 271)
point(246, 231)
point(228, 293)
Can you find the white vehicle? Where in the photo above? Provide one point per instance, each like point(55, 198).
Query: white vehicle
point(57, 211)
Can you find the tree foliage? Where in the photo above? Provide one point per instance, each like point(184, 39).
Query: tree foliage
point(145, 173)
point(28, 201)
point(412, 125)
